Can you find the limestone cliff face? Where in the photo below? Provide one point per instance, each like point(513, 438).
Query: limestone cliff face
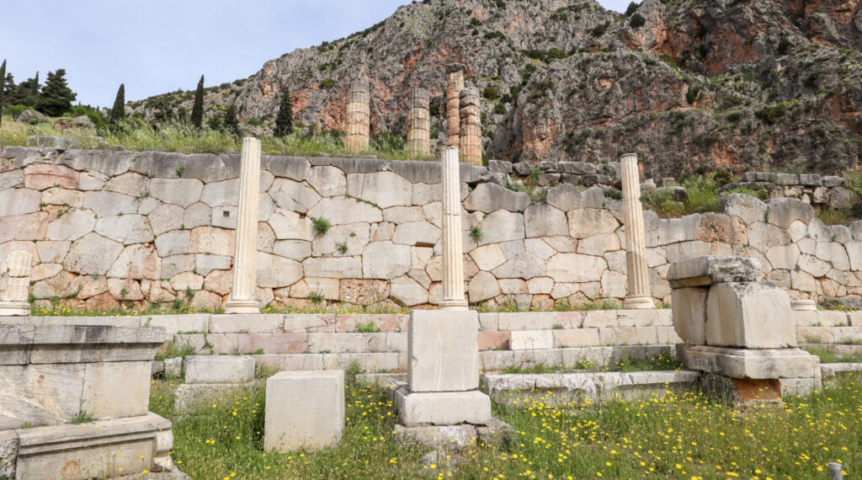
point(738, 84)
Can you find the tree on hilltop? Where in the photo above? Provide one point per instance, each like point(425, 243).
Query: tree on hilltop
point(56, 98)
point(2, 89)
point(198, 108)
point(118, 112)
point(284, 120)
point(231, 123)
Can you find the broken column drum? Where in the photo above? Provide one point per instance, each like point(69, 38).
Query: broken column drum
point(358, 117)
point(418, 123)
point(15, 284)
point(454, 85)
point(453, 256)
point(637, 269)
point(242, 296)
point(471, 127)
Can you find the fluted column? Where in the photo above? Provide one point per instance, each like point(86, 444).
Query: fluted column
point(418, 123)
point(637, 269)
point(244, 270)
point(15, 284)
point(454, 85)
point(471, 127)
point(453, 257)
point(358, 117)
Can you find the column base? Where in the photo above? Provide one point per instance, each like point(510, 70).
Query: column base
point(441, 409)
point(803, 306)
point(14, 309)
point(233, 307)
point(453, 305)
point(639, 303)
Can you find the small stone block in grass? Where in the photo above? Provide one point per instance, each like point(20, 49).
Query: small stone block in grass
point(304, 410)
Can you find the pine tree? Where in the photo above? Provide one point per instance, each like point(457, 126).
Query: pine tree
point(118, 113)
point(198, 109)
point(284, 121)
point(2, 89)
point(231, 123)
point(57, 97)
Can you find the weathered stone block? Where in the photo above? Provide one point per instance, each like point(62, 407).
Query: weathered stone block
point(442, 408)
point(443, 351)
point(755, 364)
point(709, 270)
point(532, 340)
point(749, 315)
point(689, 314)
point(304, 410)
point(219, 369)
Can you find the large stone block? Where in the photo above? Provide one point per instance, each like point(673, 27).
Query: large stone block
point(749, 315)
point(754, 364)
point(689, 314)
point(442, 408)
point(709, 270)
point(443, 351)
point(532, 339)
point(116, 389)
point(304, 410)
point(219, 369)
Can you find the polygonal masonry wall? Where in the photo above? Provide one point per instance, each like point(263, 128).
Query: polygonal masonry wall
point(106, 227)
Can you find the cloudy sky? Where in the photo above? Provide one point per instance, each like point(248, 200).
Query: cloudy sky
point(157, 46)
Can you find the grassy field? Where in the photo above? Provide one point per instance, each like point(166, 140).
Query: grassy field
point(679, 437)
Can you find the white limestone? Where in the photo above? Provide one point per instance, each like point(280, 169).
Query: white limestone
point(637, 270)
point(443, 351)
point(453, 262)
point(749, 315)
point(442, 408)
point(304, 410)
point(219, 369)
point(242, 297)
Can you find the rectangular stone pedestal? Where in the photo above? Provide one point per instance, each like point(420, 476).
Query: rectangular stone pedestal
point(304, 410)
point(443, 350)
point(442, 408)
point(768, 364)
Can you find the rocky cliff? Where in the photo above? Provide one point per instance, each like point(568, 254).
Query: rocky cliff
point(734, 84)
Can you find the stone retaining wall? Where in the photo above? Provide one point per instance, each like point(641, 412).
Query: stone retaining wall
point(109, 227)
point(811, 188)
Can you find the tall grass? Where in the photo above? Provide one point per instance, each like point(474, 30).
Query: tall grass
point(176, 136)
point(666, 435)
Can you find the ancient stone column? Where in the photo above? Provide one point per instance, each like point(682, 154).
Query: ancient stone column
point(358, 117)
point(454, 85)
point(15, 284)
point(244, 270)
point(453, 257)
point(637, 271)
point(419, 123)
point(471, 127)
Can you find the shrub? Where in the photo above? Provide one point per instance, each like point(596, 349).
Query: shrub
point(691, 95)
point(476, 233)
point(491, 93)
point(614, 193)
point(734, 116)
point(600, 30)
point(327, 84)
point(637, 21)
point(784, 46)
point(632, 8)
point(771, 113)
point(500, 109)
point(321, 225)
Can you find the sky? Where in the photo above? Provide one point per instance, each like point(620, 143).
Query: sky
point(158, 46)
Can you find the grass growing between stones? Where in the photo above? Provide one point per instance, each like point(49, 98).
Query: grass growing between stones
point(829, 356)
point(661, 362)
point(672, 436)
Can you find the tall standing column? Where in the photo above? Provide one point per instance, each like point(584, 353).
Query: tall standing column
point(471, 127)
point(454, 85)
point(244, 269)
point(358, 117)
point(419, 123)
point(637, 270)
point(453, 256)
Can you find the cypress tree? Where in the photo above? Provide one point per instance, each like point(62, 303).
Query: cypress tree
point(118, 113)
point(231, 123)
point(57, 97)
point(284, 120)
point(2, 89)
point(198, 108)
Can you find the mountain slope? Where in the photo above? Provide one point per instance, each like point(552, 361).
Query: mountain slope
point(738, 84)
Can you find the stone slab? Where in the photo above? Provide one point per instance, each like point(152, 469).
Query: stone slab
point(441, 408)
point(708, 270)
point(304, 410)
point(532, 340)
point(219, 369)
point(443, 351)
point(754, 364)
point(749, 315)
point(689, 314)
